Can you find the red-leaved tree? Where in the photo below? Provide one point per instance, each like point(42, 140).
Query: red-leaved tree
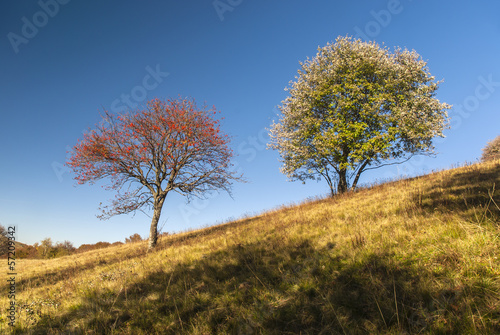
point(169, 146)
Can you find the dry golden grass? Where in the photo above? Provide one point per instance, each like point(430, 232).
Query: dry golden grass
point(411, 256)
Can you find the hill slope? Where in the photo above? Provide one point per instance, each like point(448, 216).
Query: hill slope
point(413, 256)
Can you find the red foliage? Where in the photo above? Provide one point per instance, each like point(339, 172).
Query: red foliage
point(170, 145)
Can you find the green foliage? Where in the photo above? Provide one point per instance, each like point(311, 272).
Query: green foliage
point(46, 249)
point(27, 251)
point(64, 249)
point(492, 150)
point(353, 107)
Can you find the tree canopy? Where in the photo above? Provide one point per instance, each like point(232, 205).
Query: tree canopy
point(354, 107)
point(168, 146)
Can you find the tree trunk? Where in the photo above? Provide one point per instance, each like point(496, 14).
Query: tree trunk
point(332, 191)
point(153, 231)
point(342, 187)
point(330, 184)
point(360, 171)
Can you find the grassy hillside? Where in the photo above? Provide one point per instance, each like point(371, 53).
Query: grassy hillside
point(413, 256)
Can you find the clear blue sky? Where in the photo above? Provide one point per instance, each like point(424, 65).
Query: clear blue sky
point(63, 62)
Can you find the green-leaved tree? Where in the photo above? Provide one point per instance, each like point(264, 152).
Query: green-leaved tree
point(356, 106)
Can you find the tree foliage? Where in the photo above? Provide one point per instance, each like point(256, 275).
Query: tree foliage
point(4, 241)
point(45, 250)
point(27, 251)
point(64, 248)
point(133, 238)
point(492, 150)
point(354, 107)
point(169, 146)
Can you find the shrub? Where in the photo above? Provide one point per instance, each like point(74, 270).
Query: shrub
point(133, 238)
point(492, 150)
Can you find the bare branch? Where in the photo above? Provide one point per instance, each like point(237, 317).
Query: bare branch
point(169, 146)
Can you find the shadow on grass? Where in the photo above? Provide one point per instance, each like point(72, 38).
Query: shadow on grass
point(272, 288)
point(51, 277)
point(55, 276)
point(462, 191)
point(187, 238)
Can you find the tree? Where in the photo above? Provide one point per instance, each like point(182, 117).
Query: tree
point(45, 249)
point(64, 248)
point(492, 150)
point(354, 107)
point(4, 241)
point(26, 251)
point(168, 146)
point(133, 238)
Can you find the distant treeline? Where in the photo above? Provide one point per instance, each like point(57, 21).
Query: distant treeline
point(47, 249)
